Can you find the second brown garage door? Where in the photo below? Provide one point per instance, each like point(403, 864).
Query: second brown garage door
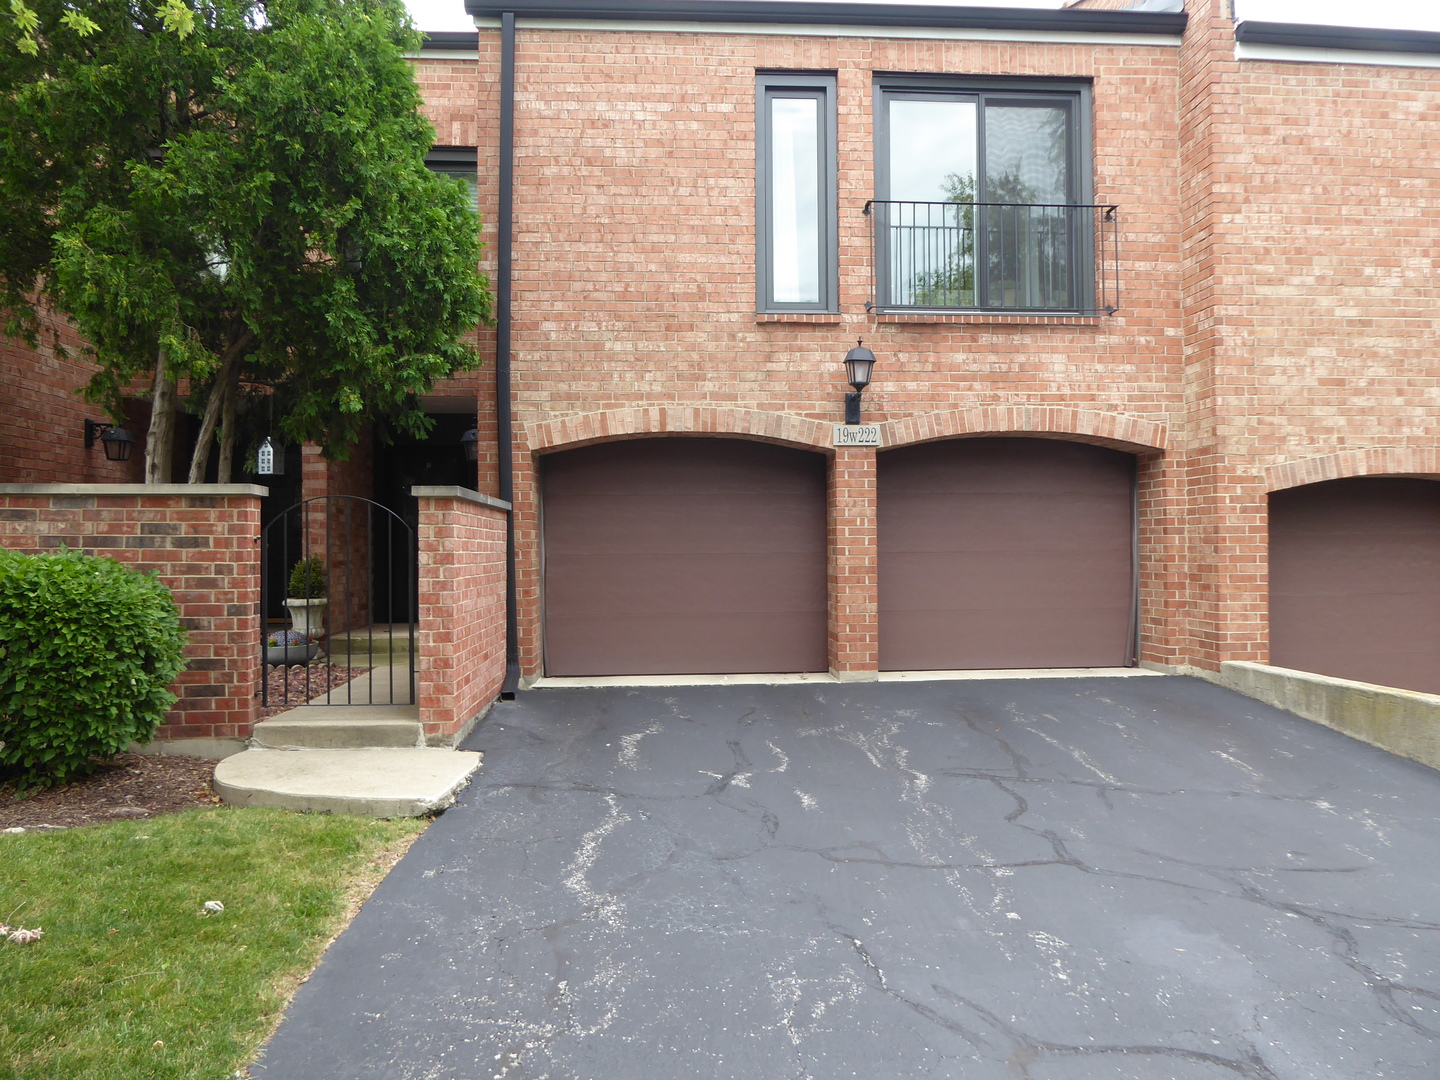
point(684, 556)
point(1005, 553)
point(1355, 580)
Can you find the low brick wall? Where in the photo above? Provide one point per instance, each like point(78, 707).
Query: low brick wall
point(461, 635)
point(203, 542)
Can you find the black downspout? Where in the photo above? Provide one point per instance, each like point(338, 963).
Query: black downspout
point(503, 426)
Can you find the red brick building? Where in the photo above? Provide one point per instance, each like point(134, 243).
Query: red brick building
point(1152, 296)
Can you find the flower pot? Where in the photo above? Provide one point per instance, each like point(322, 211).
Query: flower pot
point(308, 616)
point(291, 654)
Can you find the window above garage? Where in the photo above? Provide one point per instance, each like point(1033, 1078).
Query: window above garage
point(983, 199)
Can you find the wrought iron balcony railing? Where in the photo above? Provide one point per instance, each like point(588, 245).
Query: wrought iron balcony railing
point(1014, 257)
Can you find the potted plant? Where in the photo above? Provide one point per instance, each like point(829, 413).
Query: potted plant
point(290, 647)
point(307, 600)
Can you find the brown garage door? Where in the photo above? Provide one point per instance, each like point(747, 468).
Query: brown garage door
point(684, 556)
point(1355, 580)
point(1005, 553)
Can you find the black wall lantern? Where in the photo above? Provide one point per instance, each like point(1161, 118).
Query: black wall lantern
point(116, 440)
point(470, 443)
point(858, 363)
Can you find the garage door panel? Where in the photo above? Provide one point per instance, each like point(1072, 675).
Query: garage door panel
point(1005, 553)
point(678, 523)
point(933, 581)
point(763, 584)
point(1005, 638)
point(1060, 522)
point(682, 466)
point(675, 556)
point(665, 644)
point(1355, 580)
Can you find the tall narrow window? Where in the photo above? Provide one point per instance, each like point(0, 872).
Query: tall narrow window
point(795, 193)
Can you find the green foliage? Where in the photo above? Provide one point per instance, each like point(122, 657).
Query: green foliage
point(132, 981)
point(87, 651)
point(238, 179)
point(307, 579)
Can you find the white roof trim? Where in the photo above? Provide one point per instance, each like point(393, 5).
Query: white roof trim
point(1295, 54)
point(1047, 37)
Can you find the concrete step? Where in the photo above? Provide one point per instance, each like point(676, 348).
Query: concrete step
point(337, 727)
point(408, 782)
point(370, 646)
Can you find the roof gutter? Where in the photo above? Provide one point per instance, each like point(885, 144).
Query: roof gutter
point(832, 13)
point(1349, 38)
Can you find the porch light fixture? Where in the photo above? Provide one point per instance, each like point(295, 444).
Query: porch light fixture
point(470, 443)
point(116, 440)
point(858, 363)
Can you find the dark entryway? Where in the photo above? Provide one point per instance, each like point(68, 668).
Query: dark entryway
point(684, 555)
point(1006, 553)
point(1355, 580)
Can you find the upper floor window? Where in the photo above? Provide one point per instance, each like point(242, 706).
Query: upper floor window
point(795, 221)
point(459, 162)
point(982, 197)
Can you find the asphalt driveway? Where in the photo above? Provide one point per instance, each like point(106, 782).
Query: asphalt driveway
point(1117, 879)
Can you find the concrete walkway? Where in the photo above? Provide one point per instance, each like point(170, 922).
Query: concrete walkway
point(1102, 879)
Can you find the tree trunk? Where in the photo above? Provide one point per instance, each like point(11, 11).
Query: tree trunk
point(227, 428)
point(221, 404)
point(160, 440)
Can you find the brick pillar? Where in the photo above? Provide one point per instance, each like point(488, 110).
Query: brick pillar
point(460, 640)
point(203, 542)
point(1229, 563)
point(854, 637)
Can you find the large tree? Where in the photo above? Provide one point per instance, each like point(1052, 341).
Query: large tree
point(232, 195)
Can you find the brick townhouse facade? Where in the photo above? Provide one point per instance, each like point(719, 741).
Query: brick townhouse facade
point(1152, 296)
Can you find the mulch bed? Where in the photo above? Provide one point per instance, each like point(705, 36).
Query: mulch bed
point(132, 786)
point(136, 786)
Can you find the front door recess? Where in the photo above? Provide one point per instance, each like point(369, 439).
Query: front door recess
point(684, 556)
point(1005, 553)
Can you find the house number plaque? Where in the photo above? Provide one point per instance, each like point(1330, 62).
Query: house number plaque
point(857, 435)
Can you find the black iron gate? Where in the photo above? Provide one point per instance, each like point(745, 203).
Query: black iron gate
point(322, 591)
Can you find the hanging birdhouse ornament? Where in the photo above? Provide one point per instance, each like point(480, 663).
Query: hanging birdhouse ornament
point(270, 458)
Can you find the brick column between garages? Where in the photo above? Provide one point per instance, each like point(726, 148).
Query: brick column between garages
point(854, 631)
point(203, 542)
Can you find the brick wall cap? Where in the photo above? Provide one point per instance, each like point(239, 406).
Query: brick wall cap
point(198, 490)
point(449, 491)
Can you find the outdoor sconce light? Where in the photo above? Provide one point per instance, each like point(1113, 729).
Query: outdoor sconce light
point(117, 441)
point(858, 363)
point(270, 458)
point(470, 443)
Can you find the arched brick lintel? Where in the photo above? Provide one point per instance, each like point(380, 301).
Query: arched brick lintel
point(1128, 433)
point(1373, 461)
point(568, 432)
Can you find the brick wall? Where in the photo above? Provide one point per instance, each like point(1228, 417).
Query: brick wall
point(461, 634)
point(203, 542)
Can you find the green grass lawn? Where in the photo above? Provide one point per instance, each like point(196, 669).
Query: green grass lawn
point(131, 980)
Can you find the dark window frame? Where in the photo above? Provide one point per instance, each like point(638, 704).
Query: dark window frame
point(1074, 94)
point(821, 86)
point(458, 162)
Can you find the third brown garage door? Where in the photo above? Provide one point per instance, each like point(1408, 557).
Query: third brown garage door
point(1005, 553)
point(1355, 580)
point(684, 556)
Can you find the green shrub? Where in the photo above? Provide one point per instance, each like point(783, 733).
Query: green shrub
point(307, 579)
point(87, 650)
